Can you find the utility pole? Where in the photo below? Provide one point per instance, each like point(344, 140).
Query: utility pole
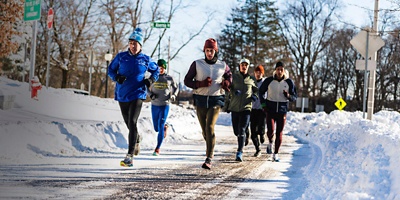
point(108, 58)
point(169, 53)
point(372, 74)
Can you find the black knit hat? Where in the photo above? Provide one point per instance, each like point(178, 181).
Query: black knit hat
point(279, 64)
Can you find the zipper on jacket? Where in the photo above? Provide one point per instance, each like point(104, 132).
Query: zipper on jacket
point(208, 93)
point(243, 86)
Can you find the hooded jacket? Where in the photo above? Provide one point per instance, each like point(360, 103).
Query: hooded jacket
point(271, 94)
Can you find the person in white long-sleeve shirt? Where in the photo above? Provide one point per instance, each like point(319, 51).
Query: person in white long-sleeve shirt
point(275, 93)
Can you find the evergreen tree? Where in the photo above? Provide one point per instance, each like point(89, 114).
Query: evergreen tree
point(252, 32)
point(231, 40)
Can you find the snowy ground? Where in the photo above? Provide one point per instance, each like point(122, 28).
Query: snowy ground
point(69, 146)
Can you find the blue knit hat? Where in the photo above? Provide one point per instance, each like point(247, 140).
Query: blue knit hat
point(137, 36)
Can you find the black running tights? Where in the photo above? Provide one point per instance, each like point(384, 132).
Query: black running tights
point(130, 112)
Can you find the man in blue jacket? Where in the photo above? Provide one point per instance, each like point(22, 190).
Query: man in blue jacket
point(128, 69)
point(275, 93)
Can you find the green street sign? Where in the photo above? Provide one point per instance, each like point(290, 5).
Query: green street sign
point(32, 10)
point(160, 25)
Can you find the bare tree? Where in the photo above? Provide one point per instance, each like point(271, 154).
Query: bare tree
point(388, 62)
point(174, 7)
point(116, 23)
point(70, 21)
point(306, 26)
point(394, 64)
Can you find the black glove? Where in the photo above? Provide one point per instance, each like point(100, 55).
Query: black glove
point(254, 97)
point(153, 96)
point(238, 92)
point(148, 82)
point(286, 94)
point(120, 79)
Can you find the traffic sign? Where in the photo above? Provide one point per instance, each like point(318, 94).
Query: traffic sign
point(359, 42)
point(340, 104)
point(50, 18)
point(32, 10)
point(360, 65)
point(160, 24)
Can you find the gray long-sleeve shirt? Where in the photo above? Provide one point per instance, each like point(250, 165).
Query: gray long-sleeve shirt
point(163, 89)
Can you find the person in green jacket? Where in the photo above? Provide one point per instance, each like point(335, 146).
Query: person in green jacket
point(244, 92)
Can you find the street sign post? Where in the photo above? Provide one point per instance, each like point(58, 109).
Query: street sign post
point(367, 45)
point(32, 10)
point(360, 64)
point(50, 17)
point(359, 42)
point(32, 13)
point(160, 25)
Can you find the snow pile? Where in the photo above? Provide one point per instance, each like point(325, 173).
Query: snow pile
point(356, 158)
point(65, 124)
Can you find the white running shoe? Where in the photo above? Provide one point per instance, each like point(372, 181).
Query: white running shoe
point(275, 157)
point(269, 148)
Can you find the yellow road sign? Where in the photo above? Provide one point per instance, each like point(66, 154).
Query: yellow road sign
point(340, 104)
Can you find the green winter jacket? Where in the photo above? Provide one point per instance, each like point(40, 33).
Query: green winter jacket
point(243, 92)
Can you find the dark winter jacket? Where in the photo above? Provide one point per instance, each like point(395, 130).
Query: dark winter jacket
point(133, 67)
point(271, 94)
point(257, 104)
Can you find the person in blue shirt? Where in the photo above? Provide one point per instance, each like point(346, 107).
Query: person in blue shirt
point(162, 92)
point(128, 70)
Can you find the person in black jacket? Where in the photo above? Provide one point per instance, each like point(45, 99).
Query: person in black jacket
point(275, 93)
point(257, 115)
